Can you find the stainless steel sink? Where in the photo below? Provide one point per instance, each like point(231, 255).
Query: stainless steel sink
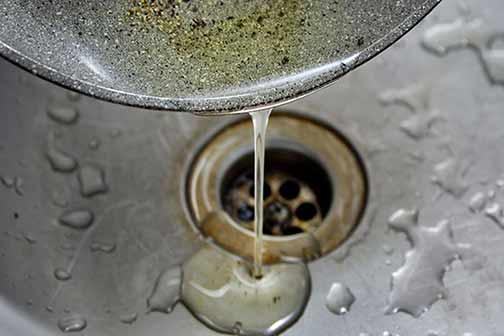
point(144, 156)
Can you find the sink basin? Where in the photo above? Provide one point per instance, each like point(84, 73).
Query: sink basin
point(142, 226)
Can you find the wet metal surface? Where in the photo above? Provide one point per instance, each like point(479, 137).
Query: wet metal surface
point(143, 157)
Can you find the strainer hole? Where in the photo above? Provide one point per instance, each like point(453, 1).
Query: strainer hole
point(306, 211)
point(289, 190)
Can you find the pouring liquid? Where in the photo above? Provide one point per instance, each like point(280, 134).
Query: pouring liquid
point(260, 122)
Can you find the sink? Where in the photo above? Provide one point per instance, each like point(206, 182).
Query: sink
point(409, 113)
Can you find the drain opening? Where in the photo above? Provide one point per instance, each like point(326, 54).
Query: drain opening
point(289, 190)
point(315, 189)
point(297, 192)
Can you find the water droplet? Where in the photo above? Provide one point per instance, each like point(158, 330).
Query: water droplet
point(7, 181)
point(60, 161)
point(92, 181)
point(77, 219)
point(491, 195)
point(500, 184)
point(102, 247)
point(18, 186)
point(478, 202)
point(450, 176)
point(29, 238)
point(418, 283)
point(166, 292)
point(73, 323)
point(50, 309)
point(29, 302)
point(495, 213)
point(389, 250)
point(128, 318)
point(63, 115)
point(388, 262)
point(62, 275)
point(94, 144)
point(220, 290)
point(494, 61)
point(340, 299)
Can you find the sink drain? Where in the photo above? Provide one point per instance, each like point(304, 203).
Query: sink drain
point(297, 192)
point(314, 193)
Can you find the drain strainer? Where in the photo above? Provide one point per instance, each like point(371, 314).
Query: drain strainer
point(315, 189)
point(297, 193)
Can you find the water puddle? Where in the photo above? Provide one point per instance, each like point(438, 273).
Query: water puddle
point(221, 291)
point(418, 284)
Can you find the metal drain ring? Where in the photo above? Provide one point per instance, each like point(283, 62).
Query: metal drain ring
point(292, 133)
